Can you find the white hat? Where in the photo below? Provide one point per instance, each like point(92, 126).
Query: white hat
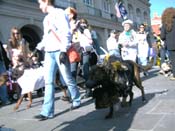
point(128, 21)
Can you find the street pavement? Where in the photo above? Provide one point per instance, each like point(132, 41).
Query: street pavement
point(156, 114)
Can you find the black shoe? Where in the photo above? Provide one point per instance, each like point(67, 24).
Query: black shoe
point(41, 117)
point(145, 73)
point(7, 103)
point(74, 107)
point(88, 93)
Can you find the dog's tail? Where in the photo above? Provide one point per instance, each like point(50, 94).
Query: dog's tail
point(145, 68)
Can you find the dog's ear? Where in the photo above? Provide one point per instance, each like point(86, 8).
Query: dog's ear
point(106, 59)
point(116, 65)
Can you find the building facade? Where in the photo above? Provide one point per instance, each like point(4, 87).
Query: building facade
point(25, 14)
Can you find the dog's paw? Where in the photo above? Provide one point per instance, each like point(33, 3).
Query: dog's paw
point(109, 116)
point(144, 100)
point(124, 104)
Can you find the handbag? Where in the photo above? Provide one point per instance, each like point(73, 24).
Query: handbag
point(72, 53)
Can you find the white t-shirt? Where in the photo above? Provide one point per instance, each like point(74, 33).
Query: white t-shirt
point(112, 44)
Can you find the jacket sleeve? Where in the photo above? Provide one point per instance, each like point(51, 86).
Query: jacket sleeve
point(5, 58)
point(62, 27)
point(163, 33)
point(149, 39)
point(41, 44)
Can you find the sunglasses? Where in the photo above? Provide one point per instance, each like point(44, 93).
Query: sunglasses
point(16, 33)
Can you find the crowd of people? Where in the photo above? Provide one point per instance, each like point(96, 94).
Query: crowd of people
point(146, 48)
point(65, 32)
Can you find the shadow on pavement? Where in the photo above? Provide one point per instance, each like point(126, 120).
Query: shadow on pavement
point(3, 128)
point(152, 73)
point(95, 121)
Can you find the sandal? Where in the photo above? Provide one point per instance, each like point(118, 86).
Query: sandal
point(29, 105)
point(65, 98)
point(15, 108)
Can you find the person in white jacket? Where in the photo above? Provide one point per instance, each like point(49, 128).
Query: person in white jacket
point(128, 41)
point(56, 41)
point(112, 44)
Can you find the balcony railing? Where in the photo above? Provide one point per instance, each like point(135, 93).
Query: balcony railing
point(89, 10)
point(93, 11)
point(64, 4)
point(59, 3)
point(35, 1)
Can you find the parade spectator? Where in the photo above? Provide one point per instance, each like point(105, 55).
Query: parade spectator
point(112, 44)
point(72, 15)
point(95, 40)
point(155, 50)
point(19, 53)
point(161, 49)
point(163, 54)
point(128, 41)
point(143, 46)
point(85, 39)
point(144, 42)
point(4, 65)
point(86, 43)
point(168, 35)
point(56, 41)
point(18, 48)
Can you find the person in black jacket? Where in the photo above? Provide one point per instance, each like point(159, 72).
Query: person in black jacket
point(168, 35)
point(4, 64)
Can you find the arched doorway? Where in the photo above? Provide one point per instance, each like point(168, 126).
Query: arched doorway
point(31, 34)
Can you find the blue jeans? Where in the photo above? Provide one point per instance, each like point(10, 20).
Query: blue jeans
point(51, 64)
point(85, 65)
point(74, 67)
point(143, 61)
point(3, 89)
point(172, 59)
point(96, 46)
point(114, 52)
point(162, 54)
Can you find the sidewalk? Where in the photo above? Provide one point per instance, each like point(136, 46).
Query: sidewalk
point(157, 114)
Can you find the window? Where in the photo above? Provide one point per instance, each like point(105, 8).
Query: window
point(88, 2)
point(131, 11)
point(138, 14)
point(106, 6)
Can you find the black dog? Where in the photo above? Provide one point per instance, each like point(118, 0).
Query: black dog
point(116, 79)
point(105, 92)
point(125, 73)
point(106, 96)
